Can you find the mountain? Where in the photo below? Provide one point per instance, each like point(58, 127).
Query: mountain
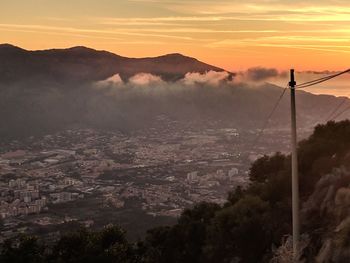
point(81, 64)
point(45, 91)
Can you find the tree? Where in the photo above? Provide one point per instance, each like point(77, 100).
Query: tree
point(25, 249)
point(239, 231)
point(266, 167)
point(108, 245)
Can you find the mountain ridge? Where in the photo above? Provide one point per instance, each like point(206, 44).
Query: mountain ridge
point(46, 91)
point(83, 64)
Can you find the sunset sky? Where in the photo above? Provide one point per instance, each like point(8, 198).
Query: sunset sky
point(233, 34)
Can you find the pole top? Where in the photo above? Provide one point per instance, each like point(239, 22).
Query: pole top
point(292, 82)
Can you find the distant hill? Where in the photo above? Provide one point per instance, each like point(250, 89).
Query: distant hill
point(82, 64)
point(45, 91)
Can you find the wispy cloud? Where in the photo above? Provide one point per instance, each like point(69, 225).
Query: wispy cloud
point(227, 33)
point(40, 28)
point(267, 10)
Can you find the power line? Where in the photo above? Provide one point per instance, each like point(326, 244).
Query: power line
point(336, 109)
point(313, 82)
point(320, 80)
point(340, 113)
point(301, 86)
point(269, 116)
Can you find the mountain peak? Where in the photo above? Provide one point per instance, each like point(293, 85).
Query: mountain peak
point(77, 49)
point(81, 64)
point(82, 49)
point(177, 56)
point(9, 47)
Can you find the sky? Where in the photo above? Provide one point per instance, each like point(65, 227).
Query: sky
point(232, 34)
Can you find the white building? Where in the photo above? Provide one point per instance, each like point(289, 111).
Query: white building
point(192, 176)
point(232, 173)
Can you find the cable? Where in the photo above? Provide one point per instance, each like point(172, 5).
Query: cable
point(336, 109)
point(301, 86)
point(340, 113)
point(269, 116)
point(320, 80)
point(313, 82)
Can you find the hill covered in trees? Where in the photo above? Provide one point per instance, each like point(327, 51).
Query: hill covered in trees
point(253, 225)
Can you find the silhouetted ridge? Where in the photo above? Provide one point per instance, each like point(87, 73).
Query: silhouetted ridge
point(10, 48)
point(176, 56)
point(82, 64)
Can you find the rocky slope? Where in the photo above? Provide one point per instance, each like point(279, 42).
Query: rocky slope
point(328, 211)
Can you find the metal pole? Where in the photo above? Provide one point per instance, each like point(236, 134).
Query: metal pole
point(295, 179)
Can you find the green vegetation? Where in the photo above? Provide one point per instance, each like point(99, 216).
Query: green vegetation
point(246, 228)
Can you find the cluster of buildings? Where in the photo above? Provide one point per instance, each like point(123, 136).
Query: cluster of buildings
point(63, 197)
point(215, 178)
point(159, 172)
point(21, 198)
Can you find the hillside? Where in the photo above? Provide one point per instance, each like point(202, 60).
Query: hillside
point(82, 64)
point(250, 227)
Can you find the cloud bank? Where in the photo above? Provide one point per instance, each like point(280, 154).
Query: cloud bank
point(211, 99)
point(210, 78)
point(145, 79)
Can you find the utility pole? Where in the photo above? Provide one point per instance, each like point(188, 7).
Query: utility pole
point(295, 179)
